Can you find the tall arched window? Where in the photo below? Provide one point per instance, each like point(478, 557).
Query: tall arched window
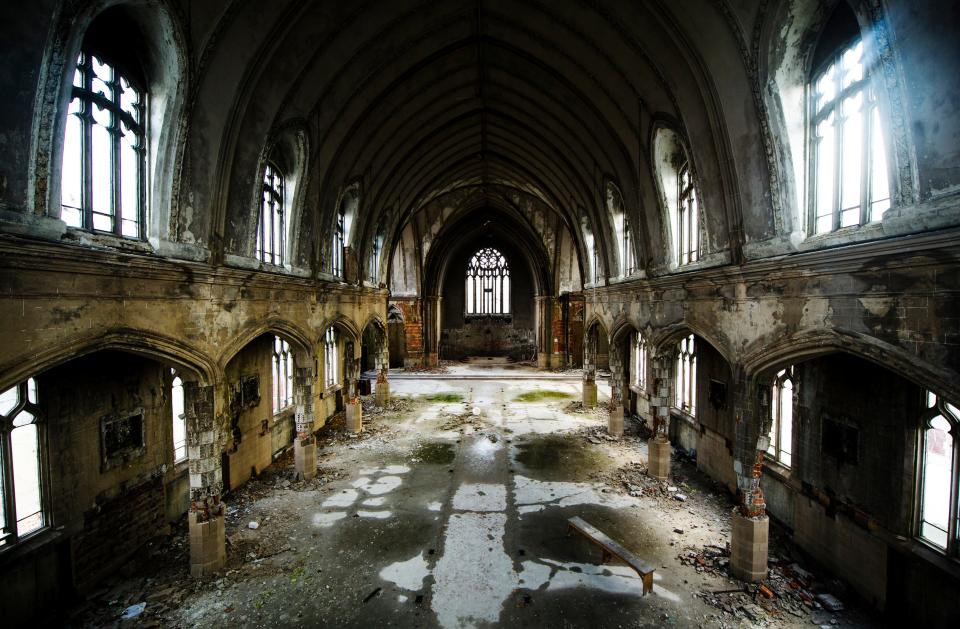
point(282, 375)
point(688, 217)
point(488, 283)
point(339, 241)
point(781, 411)
point(848, 161)
point(330, 358)
point(640, 361)
point(272, 225)
point(104, 150)
point(686, 376)
point(938, 512)
point(21, 455)
point(179, 419)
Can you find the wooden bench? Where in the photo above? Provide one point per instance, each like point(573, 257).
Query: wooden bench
point(612, 549)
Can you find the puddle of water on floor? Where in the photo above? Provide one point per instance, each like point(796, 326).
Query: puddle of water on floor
point(440, 453)
point(379, 515)
point(409, 574)
point(480, 497)
point(374, 502)
point(396, 469)
point(434, 506)
point(534, 495)
point(558, 575)
point(549, 454)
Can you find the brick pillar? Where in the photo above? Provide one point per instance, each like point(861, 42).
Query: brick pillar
point(615, 422)
point(353, 411)
point(590, 370)
point(304, 444)
point(658, 447)
point(431, 331)
point(544, 331)
point(749, 535)
point(208, 552)
point(382, 364)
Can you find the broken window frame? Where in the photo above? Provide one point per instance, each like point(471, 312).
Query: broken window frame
point(271, 247)
point(86, 95)
point(938, 408)
point(487, 278)
point(282, 359)
point(781, 427)
point(336, 254)
point(685, 379)
point(375, 254)
point(874, 176)
point(331, 358)
point(178, 418)
point(688, 217)
point(25, 397)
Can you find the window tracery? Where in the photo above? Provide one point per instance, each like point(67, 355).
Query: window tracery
point(488, 283)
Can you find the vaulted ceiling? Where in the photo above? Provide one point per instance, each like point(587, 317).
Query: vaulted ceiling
point(414, 99)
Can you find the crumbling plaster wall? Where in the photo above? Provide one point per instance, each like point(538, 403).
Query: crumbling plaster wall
point(892, 303)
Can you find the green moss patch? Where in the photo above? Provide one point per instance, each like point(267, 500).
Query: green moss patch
point(444, 397)
point(541, 395)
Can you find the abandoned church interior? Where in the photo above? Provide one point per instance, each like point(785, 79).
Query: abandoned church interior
point(470, 313)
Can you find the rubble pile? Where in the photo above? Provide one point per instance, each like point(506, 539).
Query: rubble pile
point(395, 405)
point(788, 591)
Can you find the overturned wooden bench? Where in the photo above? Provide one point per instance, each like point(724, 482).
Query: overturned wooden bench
point(611, 548)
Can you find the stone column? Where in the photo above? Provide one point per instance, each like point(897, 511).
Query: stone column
point(353, 411)
point(589, 371)
point(658, 447)
point(615, 422)
point(749, 535)
point(431, 330)
point(208, 551)
point(544, 325)
point(304, 444)
point(382, 364)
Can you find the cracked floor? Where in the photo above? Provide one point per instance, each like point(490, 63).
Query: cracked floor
point(454, 514)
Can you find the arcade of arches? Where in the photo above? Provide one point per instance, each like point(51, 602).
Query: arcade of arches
point(232, 228)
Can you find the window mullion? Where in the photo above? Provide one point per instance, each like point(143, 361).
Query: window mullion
point(115, 133)
point(10, 502)
point(866, 167)
point(837, 139)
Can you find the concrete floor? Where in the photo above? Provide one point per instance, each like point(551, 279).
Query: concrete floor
point(455, 515)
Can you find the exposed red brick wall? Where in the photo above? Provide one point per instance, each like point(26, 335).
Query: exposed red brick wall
point(115, 530)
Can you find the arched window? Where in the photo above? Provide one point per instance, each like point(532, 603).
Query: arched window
point(781, 411)
point(282, 375)
point(339, 241)
point(104, 150)
point(640, 361)
point(688, 217)
point(179, 419)
point(330, 358)
point(848, 174)
point(272, 225)
point(21, 469)
point(938, 461)
point(686, 376)
point(488, 283)
point(619, 216)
